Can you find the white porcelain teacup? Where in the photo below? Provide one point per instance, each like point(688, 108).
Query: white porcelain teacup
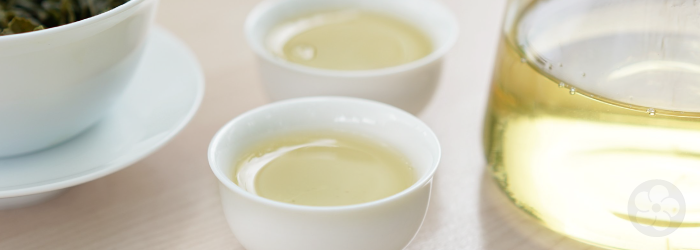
point(408, 86)
point(386, 224)
point(57, 82)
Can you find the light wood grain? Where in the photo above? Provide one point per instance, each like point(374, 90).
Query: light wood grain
point(169, 200)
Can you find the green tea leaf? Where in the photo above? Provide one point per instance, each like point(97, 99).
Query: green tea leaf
point(20, 25)
point(31, 15)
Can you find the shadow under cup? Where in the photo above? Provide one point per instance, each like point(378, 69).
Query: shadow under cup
point(56, 83)
point(386, 224)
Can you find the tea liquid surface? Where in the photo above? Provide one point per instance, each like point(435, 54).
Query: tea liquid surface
point(348, 40)
point(323, 169)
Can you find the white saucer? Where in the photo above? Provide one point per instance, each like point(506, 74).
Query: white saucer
point(162, 98)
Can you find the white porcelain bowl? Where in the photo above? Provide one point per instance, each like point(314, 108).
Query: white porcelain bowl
point(409, 86)
point(386, 224)
point(55, 83)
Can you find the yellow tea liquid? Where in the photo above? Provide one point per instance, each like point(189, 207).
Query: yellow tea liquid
point(573, 132)
point(323, 169)
point(348, 40)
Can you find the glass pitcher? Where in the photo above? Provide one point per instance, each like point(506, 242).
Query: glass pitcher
point(593, 125)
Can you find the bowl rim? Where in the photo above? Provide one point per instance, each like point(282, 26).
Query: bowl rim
point(224, 180)
point(261, 10)
point(74, 25)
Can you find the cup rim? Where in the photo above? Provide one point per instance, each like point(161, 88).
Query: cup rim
point(226, 181)
point(74, 25)
point(260, 10)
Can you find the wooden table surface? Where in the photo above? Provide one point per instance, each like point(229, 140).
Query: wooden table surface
point(169, 200)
